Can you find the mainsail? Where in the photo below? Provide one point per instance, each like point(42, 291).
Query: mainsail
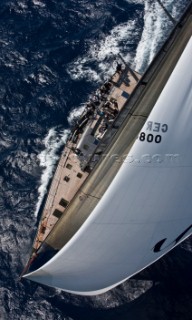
point(146, 210)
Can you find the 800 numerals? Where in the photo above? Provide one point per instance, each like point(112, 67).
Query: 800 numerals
point(150, 137)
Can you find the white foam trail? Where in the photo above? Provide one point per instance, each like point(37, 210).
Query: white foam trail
point(135, 1)
point(75, 114)
point(48, 158)
point(38, 3)
point(104, 53)
point(156, 28)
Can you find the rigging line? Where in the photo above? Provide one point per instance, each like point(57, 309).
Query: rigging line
point(167, 12)
point(90, 195)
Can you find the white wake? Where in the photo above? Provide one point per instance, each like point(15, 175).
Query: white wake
point(75, 114)
point(48, 159)
point(104, 53)
point(157, 27)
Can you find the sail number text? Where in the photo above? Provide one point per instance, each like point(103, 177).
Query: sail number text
point(156, 129)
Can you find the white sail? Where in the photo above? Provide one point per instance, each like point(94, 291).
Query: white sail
point(146, 210)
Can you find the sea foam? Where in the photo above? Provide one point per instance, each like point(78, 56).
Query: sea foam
point(157, 26)
point(48, 159)
point(103, 53)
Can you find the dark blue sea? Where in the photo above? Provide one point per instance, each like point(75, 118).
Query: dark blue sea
point(53, 55)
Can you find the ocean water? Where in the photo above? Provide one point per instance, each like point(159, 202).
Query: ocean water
point(54, 54)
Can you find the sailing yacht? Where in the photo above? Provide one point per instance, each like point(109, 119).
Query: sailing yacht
point(133, 204)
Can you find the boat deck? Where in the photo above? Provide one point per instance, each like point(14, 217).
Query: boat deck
point(69, 175)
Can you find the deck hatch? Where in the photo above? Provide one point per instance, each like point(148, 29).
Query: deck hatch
point(69, 166)
point(125, 95)
point(64, 203)
point(57, 213)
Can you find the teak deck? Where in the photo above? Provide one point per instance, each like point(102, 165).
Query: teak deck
point(69, 176)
